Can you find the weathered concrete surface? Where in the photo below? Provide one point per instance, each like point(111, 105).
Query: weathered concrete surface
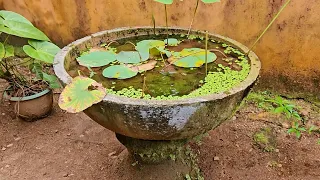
point(289, 51)
point(158, 119)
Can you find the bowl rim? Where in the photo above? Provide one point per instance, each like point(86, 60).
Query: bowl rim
point(255, 66)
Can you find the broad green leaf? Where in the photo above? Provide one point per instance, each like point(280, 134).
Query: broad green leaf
point(9, 51)
point(12, 16)
point(22, 30)
point(131, 57)
point(164, 1)
point(151, 44)
point(172, 42)
point(36, 68)
point(210, 1)
point(2, 51)
point(41, 50)
point(119, 72)
point(279, 109)
point(191, 57)
point(52, 80)
point(97, 59)
point(80, 94)
point(143, 51)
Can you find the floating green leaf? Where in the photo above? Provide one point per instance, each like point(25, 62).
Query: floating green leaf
point(12, 16)
point(164, 1)
point(80, 94)
point(119, 72)
point(210, 1)
point(41, 50)
point(172, 41)
point(97, 59)
point(191, 57)
point(22, 30)
point(2, 51)
point(131, 57)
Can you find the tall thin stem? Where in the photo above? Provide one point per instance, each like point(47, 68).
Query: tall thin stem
point(207, 39)
point(194, 15)
point(165, 8)
point(154, 24)
point(270, 24)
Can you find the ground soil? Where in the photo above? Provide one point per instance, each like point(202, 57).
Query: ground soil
point(72, 146)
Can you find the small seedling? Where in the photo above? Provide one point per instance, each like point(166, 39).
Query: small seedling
point(296, 130)
point(283, 106)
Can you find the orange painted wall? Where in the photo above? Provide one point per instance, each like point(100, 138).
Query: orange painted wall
point(289, 51)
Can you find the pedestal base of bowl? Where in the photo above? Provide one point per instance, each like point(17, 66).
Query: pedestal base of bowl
point(153, 151)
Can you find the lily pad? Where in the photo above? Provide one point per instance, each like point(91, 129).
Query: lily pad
point(191, 57)
point(172, 42)
point(164, 1)
point(97, 59)
point(41, 50)
point(131, 57)
point(152, 47)
point(119, 72)
point(80, 94)
point(143, 67)
point(210, 1)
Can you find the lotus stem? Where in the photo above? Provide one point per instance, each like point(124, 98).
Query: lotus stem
point(207, 39)
point(154, 24)
point(194, 15)
point(144, 86)
point(165, 8)
point(270, 24)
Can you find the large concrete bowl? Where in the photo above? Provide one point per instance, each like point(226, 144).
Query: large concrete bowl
point(158, 119)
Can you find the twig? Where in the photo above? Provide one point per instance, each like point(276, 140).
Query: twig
point(206, 58)
point(194, 15)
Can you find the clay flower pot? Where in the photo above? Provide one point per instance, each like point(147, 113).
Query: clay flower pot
point(31, 108)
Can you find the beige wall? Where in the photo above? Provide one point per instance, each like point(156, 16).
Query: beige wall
point(289, 51)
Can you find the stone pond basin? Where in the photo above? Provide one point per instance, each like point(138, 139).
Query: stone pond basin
point(158, 119)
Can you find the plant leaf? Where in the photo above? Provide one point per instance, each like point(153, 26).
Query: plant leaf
point(80, 94)
point(119, 72)
point(191, 57)
point(143, 67)
point(41, 50)
point(130, 57)
point(22, 30)
point(37, 69)
point(210, 1)
point(172, 42)
point(9, 51)
point(279, 109)
point(2, 51)
point(12, 16)
point(52, 80)
point(97, 59)
point(164, 1)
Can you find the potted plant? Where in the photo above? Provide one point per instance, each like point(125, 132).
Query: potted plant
point(156, 87)
point(30, 80)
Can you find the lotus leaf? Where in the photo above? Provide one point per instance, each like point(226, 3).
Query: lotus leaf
point(80, 94)
point(97, 59)
point(41, 50)
point(172, 41)
point(131, 57)
point(210, 1)
point(191, 57)
point(119, 72)
point(165, 1)
point(2, 51)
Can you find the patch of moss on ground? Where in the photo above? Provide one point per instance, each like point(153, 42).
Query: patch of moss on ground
point(265, 139)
